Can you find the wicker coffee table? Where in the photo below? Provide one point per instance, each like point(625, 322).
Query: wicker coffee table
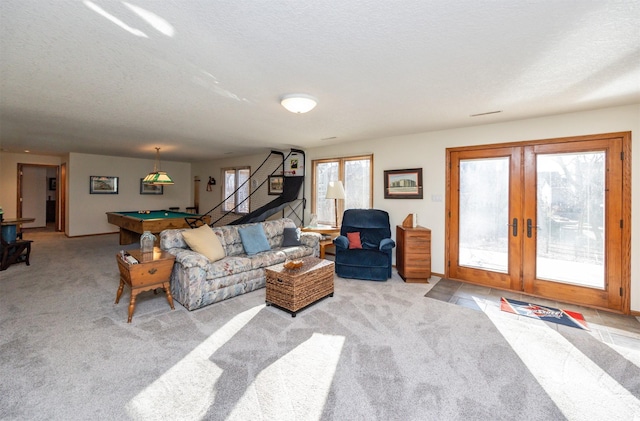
point(293, 290)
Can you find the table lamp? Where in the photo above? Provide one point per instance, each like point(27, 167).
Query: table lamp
point(335, 191)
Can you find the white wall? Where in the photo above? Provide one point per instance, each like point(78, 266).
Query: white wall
point(428, 151)
point(87, 212)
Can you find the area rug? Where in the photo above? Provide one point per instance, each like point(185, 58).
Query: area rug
point(547, 314)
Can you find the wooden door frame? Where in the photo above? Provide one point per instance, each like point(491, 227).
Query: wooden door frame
point(625, 222)
point(512, 279)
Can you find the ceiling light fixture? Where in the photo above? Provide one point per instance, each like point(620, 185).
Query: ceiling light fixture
point(298, 103)
point(157, 176)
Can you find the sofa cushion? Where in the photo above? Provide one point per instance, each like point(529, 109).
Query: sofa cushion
point(354, 240)
point(269, 258)
point(204, 241)
point(291, 237)
point(253, 239)
point(228, 266)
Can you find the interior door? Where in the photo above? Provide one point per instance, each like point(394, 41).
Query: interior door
point(546, 218)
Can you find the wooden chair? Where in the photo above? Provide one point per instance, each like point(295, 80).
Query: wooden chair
point(15, 252)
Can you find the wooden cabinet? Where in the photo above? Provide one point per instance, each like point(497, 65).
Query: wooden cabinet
point(152, 271)
point(413, 253)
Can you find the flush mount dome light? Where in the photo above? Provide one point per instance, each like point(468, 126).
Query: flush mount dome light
point(298, 103)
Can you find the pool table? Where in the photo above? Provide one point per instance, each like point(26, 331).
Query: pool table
point(132, 224)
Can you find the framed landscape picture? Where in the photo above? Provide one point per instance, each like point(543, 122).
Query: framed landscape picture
point(276, 184)
point(99, 184)
point(403, 184)
point(150, 188)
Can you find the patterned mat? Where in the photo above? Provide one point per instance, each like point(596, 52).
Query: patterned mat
point(548, 314)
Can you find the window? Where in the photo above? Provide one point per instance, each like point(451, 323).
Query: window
point(356, 173)
point(236, 189)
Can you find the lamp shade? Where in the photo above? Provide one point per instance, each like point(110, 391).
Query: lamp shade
point(157, 176)
point(335, 190)
point(298, 103)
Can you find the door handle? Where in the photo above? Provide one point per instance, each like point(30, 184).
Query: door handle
point(514, 227)
point(530, 226)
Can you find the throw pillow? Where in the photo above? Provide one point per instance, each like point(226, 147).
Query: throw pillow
point(291, 237)
point(204, 241)
point(254, 239)
point(354, 240)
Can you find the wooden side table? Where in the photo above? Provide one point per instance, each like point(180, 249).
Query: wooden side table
point(413, 253)
point(333, 232)
point(153, 271)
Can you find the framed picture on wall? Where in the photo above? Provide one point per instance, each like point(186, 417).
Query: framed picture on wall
point(403, 184)
point(53, 183)
point(276, 184)
point(150, 188)
point(100, 184)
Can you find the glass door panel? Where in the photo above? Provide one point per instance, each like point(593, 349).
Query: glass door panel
point(484, 214)
point(570, 218)
point(486, 244)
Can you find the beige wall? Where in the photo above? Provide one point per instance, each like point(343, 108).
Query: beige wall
point(204, 170)
point(427, 151)
point(87, 212)
point(9, 176)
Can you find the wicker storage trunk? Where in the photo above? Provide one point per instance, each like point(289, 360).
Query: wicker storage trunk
point(293, 290)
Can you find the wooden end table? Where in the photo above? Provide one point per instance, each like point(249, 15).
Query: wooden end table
point(332, 232)
point(413, 253)
point(153, 271)
point(293, 290)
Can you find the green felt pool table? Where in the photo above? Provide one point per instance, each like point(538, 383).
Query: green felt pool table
point(133, 223)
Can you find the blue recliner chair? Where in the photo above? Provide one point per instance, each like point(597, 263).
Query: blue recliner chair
point(372, 261)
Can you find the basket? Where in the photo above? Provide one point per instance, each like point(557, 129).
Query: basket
point(296, 289)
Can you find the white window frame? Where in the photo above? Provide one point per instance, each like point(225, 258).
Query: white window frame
point(240, 194)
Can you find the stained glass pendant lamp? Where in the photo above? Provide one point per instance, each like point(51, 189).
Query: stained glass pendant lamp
point(157, 177)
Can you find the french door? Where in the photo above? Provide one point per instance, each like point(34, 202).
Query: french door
point(546, 218)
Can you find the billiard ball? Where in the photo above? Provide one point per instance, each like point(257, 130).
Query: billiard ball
point(166, 214)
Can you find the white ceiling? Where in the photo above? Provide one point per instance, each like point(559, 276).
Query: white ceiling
point(203, 78)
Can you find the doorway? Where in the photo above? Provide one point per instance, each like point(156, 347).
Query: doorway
point(548, 218)
point(39, 195)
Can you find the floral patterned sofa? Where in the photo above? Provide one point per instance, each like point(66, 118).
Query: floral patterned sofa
point(196, 281)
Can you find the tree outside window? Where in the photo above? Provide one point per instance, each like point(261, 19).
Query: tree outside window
point(236, 190)
point(356, 174)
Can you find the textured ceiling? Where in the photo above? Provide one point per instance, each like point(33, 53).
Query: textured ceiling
point(203, 78)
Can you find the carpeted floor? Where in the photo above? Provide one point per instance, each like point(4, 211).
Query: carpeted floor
point(374, 351)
